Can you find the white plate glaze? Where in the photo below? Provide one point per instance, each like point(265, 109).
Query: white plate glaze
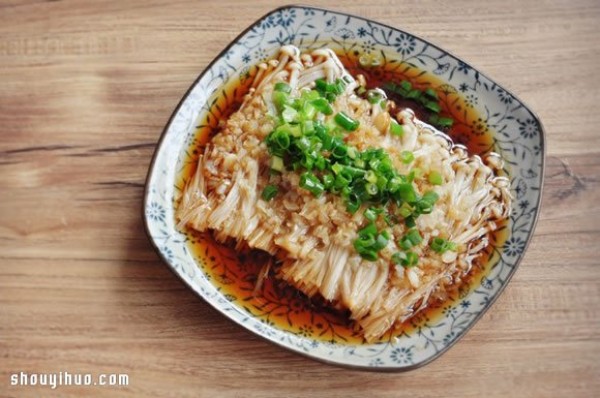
point(518, 137)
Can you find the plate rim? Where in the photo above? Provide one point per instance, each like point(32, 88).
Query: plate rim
point(389, 369)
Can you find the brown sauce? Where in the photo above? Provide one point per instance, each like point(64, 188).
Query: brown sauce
point(283, 306)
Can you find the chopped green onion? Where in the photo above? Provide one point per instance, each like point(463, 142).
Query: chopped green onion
point(407, 157)
point(370, 229)
point(398, 258)
point(439, 121)
point(412, 259)
point(406, 259)
point(431, 93)
point(322, 105)
point(405, 243)
point(405, 85)
point(308, 111)
point(425, 204)
point(327, 179)
point(413, 94)
point(407, 192)
point(440, 245)
point(339, 151)
point(280, 99)
point(269, 192)
point(276, 164)
point(411, 239)
point(320, 84)
point(430, 197)
point(405, 210)
point(445, 122)
point(282, 87)
point(353, 172)
point(321, 163)
point(352, 152)
point(414, 236)
point(311, 183)
point(435, 178)
point(353, 203)
point(381, 241)
point(396, 128)
point(308, 127)
point(371, 189)
point(346, 122)
point(370, 255)
point(410, 222)
point(340, 182)
point(414, 174)
point(365, 241)
point(281, 139)
point(337, 87)
point(371, 177)
point(433, 106)
point(374, 96)
point(370, 214)
point(289, 114)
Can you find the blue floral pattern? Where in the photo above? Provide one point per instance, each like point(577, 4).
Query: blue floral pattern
point(405, 44)
point(518, 137)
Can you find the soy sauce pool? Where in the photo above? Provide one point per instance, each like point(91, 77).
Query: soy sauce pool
point(279, 305)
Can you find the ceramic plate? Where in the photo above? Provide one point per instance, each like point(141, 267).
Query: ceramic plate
point(225, 280)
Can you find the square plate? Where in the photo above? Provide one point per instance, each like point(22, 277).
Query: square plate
point(515, 132)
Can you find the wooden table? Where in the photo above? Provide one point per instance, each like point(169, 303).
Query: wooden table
point(85, 90)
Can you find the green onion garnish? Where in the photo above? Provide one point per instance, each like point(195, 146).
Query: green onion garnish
point(406, 259)
point(311, 183)
point(412, 238)
point(280, 99)
point(445, 122)
point(282, 87)
point(370, 214)
point(346, 122)
point(269, 192)
point(433, 106)
point(405, 85)
point(322, 105)
point(407, 157)
point(306, 141)
point(276, 164)
point(435, 178)
point(440, 245)
point(396, 128)
point(374, 96)
point(431, 93)
point(413, 94)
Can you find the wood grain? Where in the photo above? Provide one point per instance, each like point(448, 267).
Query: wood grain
point(85, 90)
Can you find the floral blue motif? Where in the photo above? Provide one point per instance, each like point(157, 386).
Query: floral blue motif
point(529, 128)
point(405, 44)
point(402, 355)
point(514, 246)
point(286, 17)
point(155, 212)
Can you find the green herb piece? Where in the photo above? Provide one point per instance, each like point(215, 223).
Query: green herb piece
point(311, 183)
point(435, 178)
point(396, 128)
point(407, 157)
point(346, 122)
point(440, 245)
point(282, 87)
point(269, 192)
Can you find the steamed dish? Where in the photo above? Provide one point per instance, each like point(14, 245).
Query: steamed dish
point(357, 200)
